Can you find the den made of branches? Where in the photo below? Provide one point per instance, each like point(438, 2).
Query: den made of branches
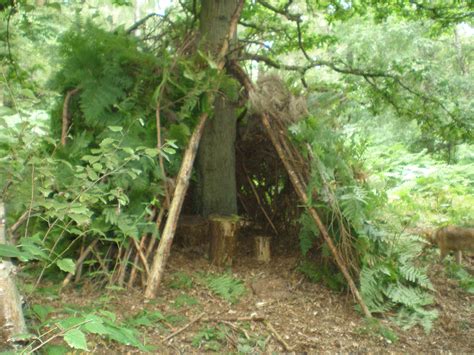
point(179, 115)
point(107, 76)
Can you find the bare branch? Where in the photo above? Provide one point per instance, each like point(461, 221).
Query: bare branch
point(142, 21)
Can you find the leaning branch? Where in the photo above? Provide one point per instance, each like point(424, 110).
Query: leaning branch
point(299, 182)
point(142, 21)
point(65, 126)
point(283, 12)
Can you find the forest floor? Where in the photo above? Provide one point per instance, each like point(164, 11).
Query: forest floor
point(290, 313)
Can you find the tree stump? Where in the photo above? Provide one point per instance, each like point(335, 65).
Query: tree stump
point(223, 236)
point(262, 248)
point(11, 315)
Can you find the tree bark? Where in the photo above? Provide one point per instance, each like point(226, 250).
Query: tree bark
point(216, 190)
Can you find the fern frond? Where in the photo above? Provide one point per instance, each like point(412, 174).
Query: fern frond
point(408, 296)
point(416, 275)
point(227, 287)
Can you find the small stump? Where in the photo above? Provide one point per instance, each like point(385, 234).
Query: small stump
point(262, 248)
point(223, 235)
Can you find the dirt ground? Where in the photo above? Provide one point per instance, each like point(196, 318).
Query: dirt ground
point(280, 312)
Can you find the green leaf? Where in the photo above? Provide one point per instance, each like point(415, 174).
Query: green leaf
point(179, 132)
point(80, 219)
point(56, 350)
point(92, 174)
point(106, 142)
point(70, 322)
point(54, 5)
point(109, 315)
point(11, 251)
point(28, 93)
point(41, 311)
point(66, 265)
point(116, 128)
point(30, 246)
point(169, 150)
point(95, 325)
point(76, 339)
point(151, 152)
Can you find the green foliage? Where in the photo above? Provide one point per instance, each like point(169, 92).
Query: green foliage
point(422, 80)
point(325, 273)
point(80, 328)
point(210, 338)
point(421, 190)
point(394, 75)
point(180, 280)
point(390, 280)
point(185, 300)
point(375, 327)
point(87, 199)
point(226, 286)
point(409, 317)
point(249, 341)
point(113, 77)
point(465, 279)
point(389, 277)
point(146, 319)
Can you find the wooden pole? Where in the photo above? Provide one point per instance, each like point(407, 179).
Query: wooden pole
point(161, 256)
point(301, 191)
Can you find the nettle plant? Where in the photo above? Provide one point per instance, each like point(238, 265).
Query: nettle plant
point(104, 196)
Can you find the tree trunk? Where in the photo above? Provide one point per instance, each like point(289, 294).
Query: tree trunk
point(182, 181)
point(217, 192)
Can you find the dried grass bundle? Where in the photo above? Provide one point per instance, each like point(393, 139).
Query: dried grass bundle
point(271, 95)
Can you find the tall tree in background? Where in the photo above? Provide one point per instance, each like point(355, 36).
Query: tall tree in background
point(216, 156)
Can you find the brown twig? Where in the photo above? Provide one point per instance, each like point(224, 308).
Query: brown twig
point(133, 272)
point(158, 146)
point(257, 197)
point(102, 263)
point(142, 256)
point(79, 266)
point(123, 266)
point(79, 261)
point(278, 337)
point(251, 318)
point(17, 224)
point(172, 335)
